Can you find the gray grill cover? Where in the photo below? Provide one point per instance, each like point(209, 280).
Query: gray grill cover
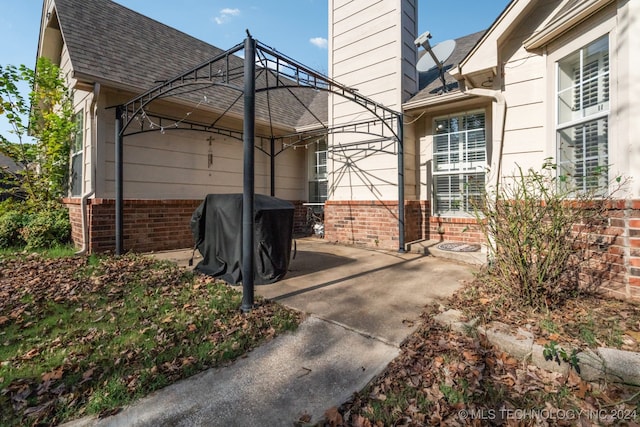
point(217, 230)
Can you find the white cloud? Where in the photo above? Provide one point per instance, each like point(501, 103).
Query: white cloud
point(320, 42)
point(225, 14)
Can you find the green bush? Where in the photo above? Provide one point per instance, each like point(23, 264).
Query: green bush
point(11, 222)
point(46, 228)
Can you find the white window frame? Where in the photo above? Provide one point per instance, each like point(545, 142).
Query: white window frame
point(77, 157)
point(318, 172)
point(581, 117)
point(469, 166)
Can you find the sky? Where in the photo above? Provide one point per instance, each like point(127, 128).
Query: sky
point(295, 28)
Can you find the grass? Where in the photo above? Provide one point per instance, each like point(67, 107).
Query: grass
point(87, 335)
point(59, 251)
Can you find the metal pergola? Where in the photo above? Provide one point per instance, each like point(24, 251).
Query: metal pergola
point(229, 79)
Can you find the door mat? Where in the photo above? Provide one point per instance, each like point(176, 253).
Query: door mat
point(459, 247)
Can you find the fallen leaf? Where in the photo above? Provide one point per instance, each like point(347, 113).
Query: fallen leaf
point(333, 417)
point(56, 374)
point(88, 374)
point(30, 354)
point(633, 334)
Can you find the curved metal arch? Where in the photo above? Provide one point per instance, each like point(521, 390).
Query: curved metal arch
point(131, 114)
point(297, 76)
point(304, 78)
point(192, 127)
point(203, 72)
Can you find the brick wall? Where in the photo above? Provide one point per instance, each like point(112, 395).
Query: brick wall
point(416, 220)
point(154, 225)
point(632, 222)
point(455, 230)
point(75, 217)
point(373, 223)
point(300, 227)
point(149, 225)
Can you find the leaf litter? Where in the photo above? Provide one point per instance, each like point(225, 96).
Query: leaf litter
point(443, 377)
point(83, 335)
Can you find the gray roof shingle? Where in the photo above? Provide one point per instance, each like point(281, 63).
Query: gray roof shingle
point(430, 84)
point(110, 42)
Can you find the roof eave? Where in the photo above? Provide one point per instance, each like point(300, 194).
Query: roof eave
point(515, 6)
point(555, 29)
point(435, 100)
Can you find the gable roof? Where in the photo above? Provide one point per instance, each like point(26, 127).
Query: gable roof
point(115, 45)
point(108, 41)
point(567, 15)
point(429, 83)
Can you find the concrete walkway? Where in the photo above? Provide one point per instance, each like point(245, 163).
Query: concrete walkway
point(361, 303)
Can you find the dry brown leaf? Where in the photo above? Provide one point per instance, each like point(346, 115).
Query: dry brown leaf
point(333, 417)
point(88, 374)
point(360, 421)
point(56, 374)
point(30, 354)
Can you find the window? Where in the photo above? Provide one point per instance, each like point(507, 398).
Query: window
point(583, 117)
point(318, 172)
point(459, 162)
point(77, 145)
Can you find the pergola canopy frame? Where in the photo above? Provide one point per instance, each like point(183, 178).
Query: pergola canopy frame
point(241, 77)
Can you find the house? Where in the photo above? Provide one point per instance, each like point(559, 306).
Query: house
point(110, 55)
point(8, 168)
point(380, 149)
point(548, 79)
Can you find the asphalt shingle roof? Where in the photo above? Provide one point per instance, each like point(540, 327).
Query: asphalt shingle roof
point(429, 82)
point(112, 43)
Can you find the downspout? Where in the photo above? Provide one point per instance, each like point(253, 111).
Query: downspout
point(498, 98)
point(91, 190)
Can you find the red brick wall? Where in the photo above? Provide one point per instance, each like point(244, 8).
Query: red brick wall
point(455, 230)
point(416, 220)
point(632, 223)
point(149, 225)
point(300, 227)
point(154, 225)
point(373, 223)
point(75, 217)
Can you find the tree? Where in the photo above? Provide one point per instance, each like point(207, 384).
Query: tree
point(42, 128)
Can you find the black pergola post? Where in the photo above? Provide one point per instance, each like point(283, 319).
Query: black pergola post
point(248, 236)
point(400, 184)
point(119, 142)
point(272, 156)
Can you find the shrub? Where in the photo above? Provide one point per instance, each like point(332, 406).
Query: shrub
point(47, 228)
point(541, 237)
point(12, 219)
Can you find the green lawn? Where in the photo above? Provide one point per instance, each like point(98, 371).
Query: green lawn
point(87, 335)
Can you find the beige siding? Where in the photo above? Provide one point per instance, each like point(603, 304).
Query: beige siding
point(621, 25)
point(174, 165)
point(370, 49)
point(524, 81)
point(628, 92)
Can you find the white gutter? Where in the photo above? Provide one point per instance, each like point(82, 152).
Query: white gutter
point(501, 111)
point(90, 191)
point(499, 99)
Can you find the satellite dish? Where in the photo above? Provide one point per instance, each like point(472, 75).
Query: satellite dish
point(440, 52)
